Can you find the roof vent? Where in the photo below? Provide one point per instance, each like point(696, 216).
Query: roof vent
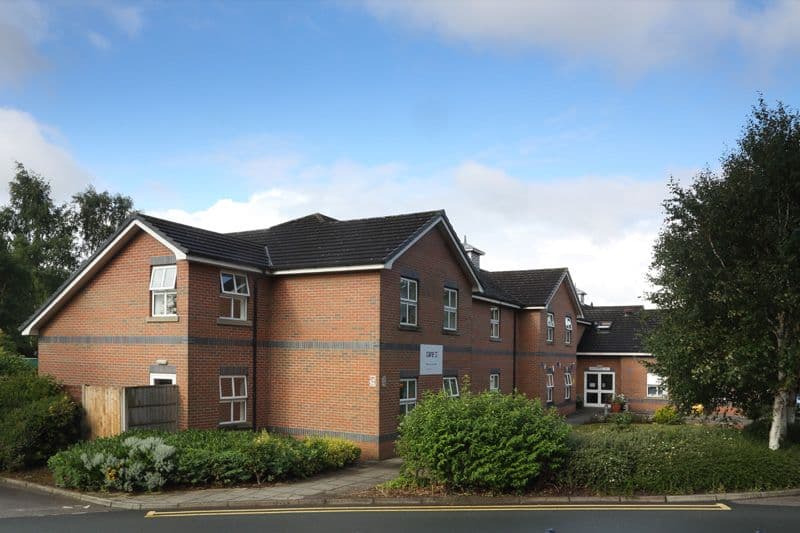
point(473, 253)
point(582, 297)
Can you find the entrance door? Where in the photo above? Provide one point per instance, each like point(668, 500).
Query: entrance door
point(598, 388)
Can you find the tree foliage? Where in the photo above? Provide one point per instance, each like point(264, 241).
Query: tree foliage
point(727, 272)
point(42, 242)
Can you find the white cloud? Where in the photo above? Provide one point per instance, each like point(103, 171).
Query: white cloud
point(633, 36)
point(23, 25)
point(98, 41)
point(40, 149)
point(601, 227)
point(128, 18)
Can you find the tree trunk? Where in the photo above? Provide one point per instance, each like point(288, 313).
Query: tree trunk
point(791, 408)
point(778, 428)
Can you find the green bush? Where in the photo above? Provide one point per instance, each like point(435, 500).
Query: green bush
point(480, 441)
point(36, 417)
point(662, 459)
point(667, 415)
point(139, 460)
point(621, 420)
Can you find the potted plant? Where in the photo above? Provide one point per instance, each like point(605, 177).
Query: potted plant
point(618, 402)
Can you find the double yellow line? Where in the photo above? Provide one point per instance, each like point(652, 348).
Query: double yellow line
point(440, 509)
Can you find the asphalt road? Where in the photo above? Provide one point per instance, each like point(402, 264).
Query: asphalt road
point(22, 503)
point(740, 518)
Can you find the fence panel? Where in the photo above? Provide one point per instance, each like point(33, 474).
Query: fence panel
point(151, 407)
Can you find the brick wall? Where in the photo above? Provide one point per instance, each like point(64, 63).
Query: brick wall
point(630, 379)
point(103, 335)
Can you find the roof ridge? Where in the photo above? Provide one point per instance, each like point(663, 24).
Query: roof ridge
point(528, 270)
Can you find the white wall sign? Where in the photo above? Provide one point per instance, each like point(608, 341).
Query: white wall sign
point(430, 359)
point(599, 369)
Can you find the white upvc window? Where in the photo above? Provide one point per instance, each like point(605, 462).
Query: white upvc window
point(655, 387)
point(162, 291)
point(550, 386)
point(494, 322)
point(450, 386)
point(551, 327)
point(232, 399)
point(235, 291)
point(162, 379)
point(450, 322)
point(408, 302)
point(408, 395)
point(567, 385)
point(494, 382)
point(567, 330)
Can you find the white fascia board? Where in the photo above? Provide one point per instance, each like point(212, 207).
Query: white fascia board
point(325, 270)
point(223, 264)
point(493, 301)
point(453, 238)
point(95, 265)
point(572, 290)
point(534, 308)
point(616, 354)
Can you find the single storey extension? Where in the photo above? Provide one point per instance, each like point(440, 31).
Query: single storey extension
point(320, 326)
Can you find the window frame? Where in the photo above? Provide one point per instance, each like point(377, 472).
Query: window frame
point(407, 403)
point(549, 386)
point(236, 297)
point(494, 382)
point(567, 330)
point(453, 381)
point(154, 376)
point(568, 385)
point(234, 399)
point(409, 302)
point(551, 327)
point(494, 323)
point(163, 290)
point(661, 390)
point(450, 310)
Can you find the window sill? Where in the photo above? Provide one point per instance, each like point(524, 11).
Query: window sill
point(495, 339)
point(156, 319)
point(221, 321)
point(453, 332)
point(406, 327)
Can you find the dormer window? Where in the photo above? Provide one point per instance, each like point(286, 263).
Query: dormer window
point(603, 326)
point(234, 293)
point(162, 290)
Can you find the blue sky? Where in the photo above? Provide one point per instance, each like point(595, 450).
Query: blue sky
point(547, 130)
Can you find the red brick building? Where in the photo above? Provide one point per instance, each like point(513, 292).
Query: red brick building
point(315, 326)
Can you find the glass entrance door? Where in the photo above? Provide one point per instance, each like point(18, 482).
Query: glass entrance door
point(598, 388)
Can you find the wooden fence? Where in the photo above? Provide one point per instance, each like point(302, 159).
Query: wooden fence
point(112, 410)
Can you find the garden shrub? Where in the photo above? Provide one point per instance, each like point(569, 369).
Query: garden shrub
point(36, 417)
point(663, 459)
point(149, 460)
point(621, 420)
point(667, 415)
point(480, 441)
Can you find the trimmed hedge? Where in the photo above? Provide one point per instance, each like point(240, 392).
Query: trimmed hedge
point(674, 459)
point(36, 417)
point(486, 441)
point(149, 460)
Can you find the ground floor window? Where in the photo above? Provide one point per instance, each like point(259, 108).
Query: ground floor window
point(162, 379)
point(567, 385)
point(494, 382)
point(232, 399)
point(655, 387)
point(450, 386)
point(408, 395)
point(550, 387)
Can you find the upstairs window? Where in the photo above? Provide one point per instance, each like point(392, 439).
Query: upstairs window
point(408, 302)
point(232, 399)
point(655, 387)
point(494, 382)
point(494, 322)
point(550, 387)
point(450, 386)
point(567, 385)
point(450, 322)
point(408, 395)
point(551, 327)
point(235, 291)
point(567, 330)
point(162, 290)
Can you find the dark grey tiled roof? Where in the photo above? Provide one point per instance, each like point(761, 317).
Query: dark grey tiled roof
point(493, 290)
point(628, 323)
point(317, 240)
point(528, 287)
point(209, 244)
